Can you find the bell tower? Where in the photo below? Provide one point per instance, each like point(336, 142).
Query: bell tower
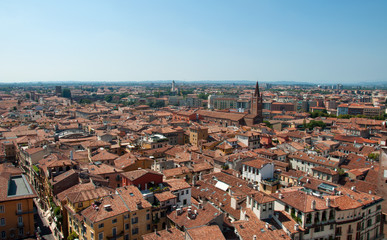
point(256, 103)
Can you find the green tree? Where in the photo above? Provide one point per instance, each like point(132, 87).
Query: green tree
point(268, 124)
point(85, 101)
point(312, 124)
point(109, 98)
point(341, 171)
point(124, 95)
point(374, 156)
point(73, 235)
point(157, 104)
point(203, 96)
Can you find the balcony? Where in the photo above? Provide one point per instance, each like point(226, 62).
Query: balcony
point(117, 236)
point(270, 181)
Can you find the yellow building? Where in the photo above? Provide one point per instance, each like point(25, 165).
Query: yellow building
point(197, 134)
point(123, 215)
point(16, 206)
point(75, 199)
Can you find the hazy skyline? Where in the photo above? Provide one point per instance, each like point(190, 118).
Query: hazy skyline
point(309, 41)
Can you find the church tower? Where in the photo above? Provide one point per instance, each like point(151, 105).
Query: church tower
point(255, 115)
point(256, 102)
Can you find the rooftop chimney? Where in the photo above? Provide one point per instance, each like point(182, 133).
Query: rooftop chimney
point(313, 205)
point(328, 202)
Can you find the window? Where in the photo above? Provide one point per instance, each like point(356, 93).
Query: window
point(186, 191)
point(147, 216)
point(264, 207)
point(2, 208)
point(101, 225)
point(377, 218)
point(19, 207)
point(2, 222)
point(134, 220)
point(21, 232)
point(270, 206)
point(308, 218)
point(100, 236)
point(134, 231)
point(148, 227)
point(91, 235)
point(126, 226)
point(369, 222)
point(20, 219)
point(338, 231)
point(3, 234)
point(358, 227)
point(114, 231)
point(182, 193)
point(114, 220)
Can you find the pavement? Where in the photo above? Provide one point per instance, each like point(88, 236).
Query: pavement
point(43, 223)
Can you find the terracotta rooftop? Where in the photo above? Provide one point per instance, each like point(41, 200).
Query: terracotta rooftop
point(176, 184)
point(136, 174)
point(204, 216)
point(170, 233)
point(212, 232)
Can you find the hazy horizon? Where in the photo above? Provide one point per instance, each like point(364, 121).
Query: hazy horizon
point(117, 41)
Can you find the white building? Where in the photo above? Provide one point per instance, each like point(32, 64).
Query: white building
point(181, 189)
point(257, 170)
point(250, 139)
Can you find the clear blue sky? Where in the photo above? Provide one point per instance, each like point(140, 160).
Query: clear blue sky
point(114, 40)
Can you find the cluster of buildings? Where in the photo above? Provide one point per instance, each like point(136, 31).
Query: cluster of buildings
point(109, 171)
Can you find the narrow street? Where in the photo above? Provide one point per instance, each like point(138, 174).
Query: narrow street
point(42, 223)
